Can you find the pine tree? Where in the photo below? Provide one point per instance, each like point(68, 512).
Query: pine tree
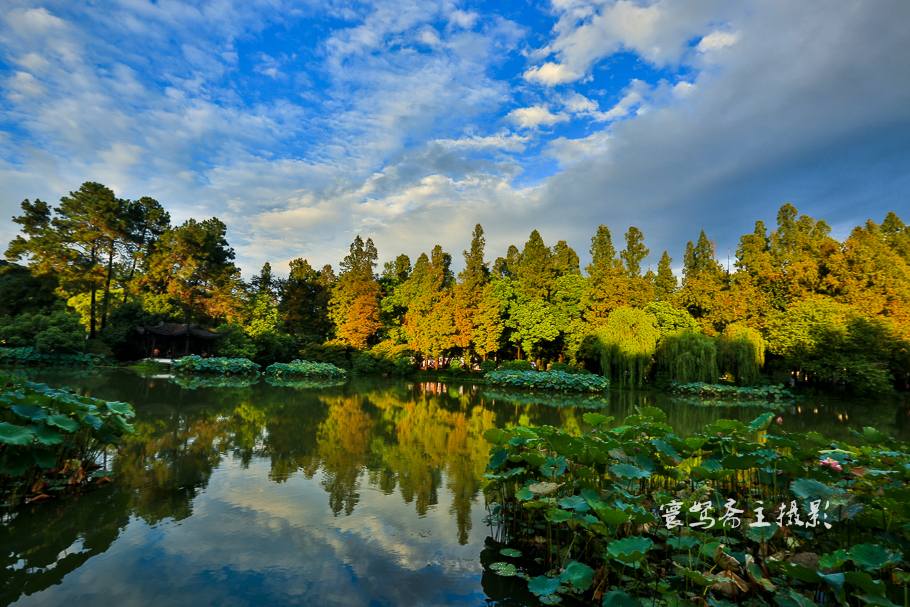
point(634, 252)
point(566, 260)
point(354, 307)
point(468, 292)
point(536, 269)
point(665, 282)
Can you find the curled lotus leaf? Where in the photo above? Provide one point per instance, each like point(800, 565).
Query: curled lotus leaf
point(730, 584)
point(544, 488)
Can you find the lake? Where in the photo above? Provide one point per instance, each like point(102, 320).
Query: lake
point(362, 494)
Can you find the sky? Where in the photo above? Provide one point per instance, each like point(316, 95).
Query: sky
point(303, 124)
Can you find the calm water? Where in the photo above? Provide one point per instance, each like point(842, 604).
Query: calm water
point(365, 494)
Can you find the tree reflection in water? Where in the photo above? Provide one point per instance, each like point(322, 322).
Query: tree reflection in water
point(423, 442)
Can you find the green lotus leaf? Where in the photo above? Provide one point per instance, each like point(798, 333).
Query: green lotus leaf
point(524, 494)
point(618, 598)
point(16, 435)
point(63, 422)
point(511, 552)
point(44, 458)
point(652, 412)
point(579, 575)
point(596, 419)
point(30, 412)
point(863, 580)
point(872, 557)
point(46, 435)
point(629, 471)
point(630, 549)
point(555, 515)
point(761, 422)
point(761, 534)
point(121, 409)
point(542, 585)
point(504, 569)
point(682, 542)
point(873, 436)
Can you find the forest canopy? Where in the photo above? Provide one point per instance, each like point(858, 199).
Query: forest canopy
point(796, 301)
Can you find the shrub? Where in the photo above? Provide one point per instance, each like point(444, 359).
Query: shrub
point(31, 356)
point(488, 365)
point(564, 367)
point(198, 364)
point(50, 439)
point(516, 365)
point(304, 368)
point(549, 380)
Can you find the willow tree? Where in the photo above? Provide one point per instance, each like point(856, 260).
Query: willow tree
point(626, 345)
point(689, 356)
point(742, 353)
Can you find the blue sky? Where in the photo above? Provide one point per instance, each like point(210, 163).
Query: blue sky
point(303, 124)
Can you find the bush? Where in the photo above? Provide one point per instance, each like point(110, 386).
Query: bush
point(337, 354)
point(516, 365)
point(198, 364)
point(488, 365)
point(236, 344)
point(549, 380)
point(403, 366)
point(31, 356)
point(305, 368)
point(455, 365)
point(564, 367)
point(57, 331)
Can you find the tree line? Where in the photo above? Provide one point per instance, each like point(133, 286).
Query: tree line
point(835, 312)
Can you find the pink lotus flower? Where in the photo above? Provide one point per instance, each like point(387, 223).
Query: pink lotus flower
point(832, 463)
point(780, 420)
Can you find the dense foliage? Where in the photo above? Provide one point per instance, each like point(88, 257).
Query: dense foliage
point(52, 439)
point(304, 368)
point(31, 356)
point(795, 301)
point(726, 392)
point(549, 380)
point(224, 366)
point(735, 514)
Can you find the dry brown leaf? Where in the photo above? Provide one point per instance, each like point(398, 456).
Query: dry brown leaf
point(806, 559)
point(38, 498)
point(102, 480)
point(733, 585)
point(724, 560)
point(38, 486)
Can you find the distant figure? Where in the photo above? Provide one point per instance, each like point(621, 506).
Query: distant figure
point(155, 353)
point(169, 353)
point(792, 381)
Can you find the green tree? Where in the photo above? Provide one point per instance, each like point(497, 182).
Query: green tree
point(468, 293)
point(303, 302)
point(626, 345)
point(665, 283)
point(742, 353)
point(634, 252)
point(689, 356)
point(354, 307)
point(669, 319)
point(193, 265)
point(566, 260)
point(536, 269)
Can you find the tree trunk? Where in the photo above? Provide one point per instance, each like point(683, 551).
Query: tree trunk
point(107, 288)
point(91, 312)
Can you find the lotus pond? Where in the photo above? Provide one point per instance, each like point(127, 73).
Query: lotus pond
point(303, 492)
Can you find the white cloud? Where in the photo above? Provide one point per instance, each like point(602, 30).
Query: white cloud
point(534, 116)
point(551, 74)
point(717, 40)
point(509, 142)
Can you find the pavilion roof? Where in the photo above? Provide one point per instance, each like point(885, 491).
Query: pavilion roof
point(172, 329)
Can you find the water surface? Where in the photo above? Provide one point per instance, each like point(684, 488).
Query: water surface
point(363, 494)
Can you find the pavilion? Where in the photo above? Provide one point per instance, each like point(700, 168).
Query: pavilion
point(173, 340)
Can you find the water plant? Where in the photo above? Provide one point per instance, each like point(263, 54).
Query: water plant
point(191, 382)
point(584, 400)
point(52, 439)
point(198, 364)
point(723, 391)
point(549, 380)
point(32, 356)
point(305, 368)
point(735, 514)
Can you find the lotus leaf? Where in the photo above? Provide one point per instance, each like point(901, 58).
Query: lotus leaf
point(511, 552)
point(630, 549)
point(504, 569)
point(578, 575)
point(33, 413)
point(618, 598)
point(15, 435)
point(47, 435)
point(542, 585)
point(629, 471)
